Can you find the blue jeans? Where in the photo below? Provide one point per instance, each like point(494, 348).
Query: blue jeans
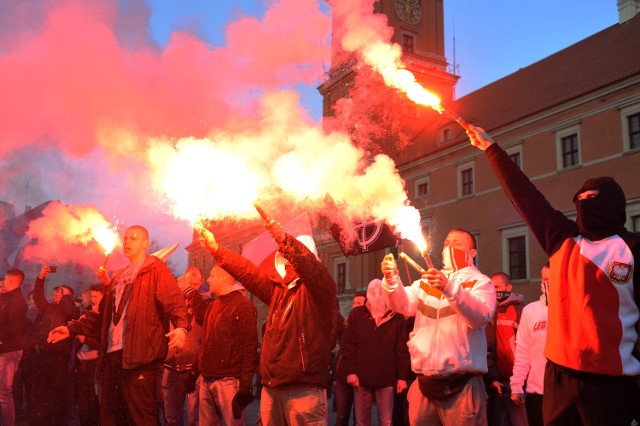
point(8, 366)
point(363, 397)
point(293, 405)
point(174, 391)
point(216, 396)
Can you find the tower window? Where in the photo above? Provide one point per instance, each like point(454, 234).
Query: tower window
point(407, 43)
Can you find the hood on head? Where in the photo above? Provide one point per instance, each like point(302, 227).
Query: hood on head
point(280, 261)
point(603, 215)
point(375, 298)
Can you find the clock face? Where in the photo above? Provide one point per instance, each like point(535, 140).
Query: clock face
point(408, 11)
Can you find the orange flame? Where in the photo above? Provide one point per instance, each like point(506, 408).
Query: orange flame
point(196, 175)
point(407, 222)
point(106, 237)
point(385, 59)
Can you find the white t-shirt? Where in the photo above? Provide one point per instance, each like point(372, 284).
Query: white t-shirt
point(116, 331)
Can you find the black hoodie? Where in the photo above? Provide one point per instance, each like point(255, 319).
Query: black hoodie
point(603, 215)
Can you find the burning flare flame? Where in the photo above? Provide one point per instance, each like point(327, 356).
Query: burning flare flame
point(385, 59)
point(106, 237)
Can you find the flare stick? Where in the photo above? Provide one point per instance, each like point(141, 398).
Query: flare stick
point(454, 115)
point(412, 262)
point(262, 213)
point(104, 264)
point(427, 259)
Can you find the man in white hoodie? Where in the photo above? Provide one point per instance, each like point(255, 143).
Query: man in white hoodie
point(529, 361)
point(448, 346)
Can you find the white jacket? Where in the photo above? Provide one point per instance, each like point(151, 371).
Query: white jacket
point(530, 341)
point(448, 336)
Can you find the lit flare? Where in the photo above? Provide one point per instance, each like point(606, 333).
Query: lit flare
point(107, 238)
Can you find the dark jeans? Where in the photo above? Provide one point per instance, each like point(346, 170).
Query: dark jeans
point(534, 409)
point(86, 396)
point(128, 396)
point(587, 399)
point(344, 401)
point(50, 389)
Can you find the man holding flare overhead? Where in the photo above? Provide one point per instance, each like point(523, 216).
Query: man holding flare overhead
point(592, 345)
point(448, 347)
point(296, 347)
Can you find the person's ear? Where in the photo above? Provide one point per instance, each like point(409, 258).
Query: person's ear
point(509, 287)
point(473, 253)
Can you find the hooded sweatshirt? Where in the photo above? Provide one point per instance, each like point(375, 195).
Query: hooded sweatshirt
point(593, 306)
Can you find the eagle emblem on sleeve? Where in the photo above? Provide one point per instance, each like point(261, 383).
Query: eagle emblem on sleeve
point(619, 272)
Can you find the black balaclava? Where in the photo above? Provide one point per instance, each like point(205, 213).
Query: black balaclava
point(603, 215)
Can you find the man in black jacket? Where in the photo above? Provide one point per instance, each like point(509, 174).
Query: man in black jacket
point(296, 347)
point(228, 352)
point(376, 357)
point(13, 322)
point(51, 379)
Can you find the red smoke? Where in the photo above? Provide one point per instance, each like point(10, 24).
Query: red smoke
point(66, 234)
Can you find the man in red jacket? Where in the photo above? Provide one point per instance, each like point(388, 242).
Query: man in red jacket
point(133, 322)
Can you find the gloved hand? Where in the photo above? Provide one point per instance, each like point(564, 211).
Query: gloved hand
point(240, 401)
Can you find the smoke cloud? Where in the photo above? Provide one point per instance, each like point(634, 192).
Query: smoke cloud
point(102, 117)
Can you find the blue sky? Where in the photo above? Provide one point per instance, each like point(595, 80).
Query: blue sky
point(493, 38)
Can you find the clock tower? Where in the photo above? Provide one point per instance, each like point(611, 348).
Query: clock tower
point(418, 27)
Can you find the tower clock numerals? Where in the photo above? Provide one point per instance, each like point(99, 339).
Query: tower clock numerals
point(408, 11)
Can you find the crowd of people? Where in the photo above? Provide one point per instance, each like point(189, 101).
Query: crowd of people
point(455, 347)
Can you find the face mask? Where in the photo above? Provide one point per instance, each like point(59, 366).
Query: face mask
point(502, 295)
point(454, 259)
point(603, 215)
point(544, 286)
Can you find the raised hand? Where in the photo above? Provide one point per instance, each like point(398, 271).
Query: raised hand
point(389, 266)
point(276, 230)
point(478, 137)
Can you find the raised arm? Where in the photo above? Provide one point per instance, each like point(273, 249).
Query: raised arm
point(401, 299)
point(248, 274)
point(550, 226)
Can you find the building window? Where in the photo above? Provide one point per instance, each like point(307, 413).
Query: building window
point(422, 187)
point(466, 177)
point(569, 151)
point(341, 272)
point(407, 43)
point(568, 147)
point(517, 258)
point(446, 135)
point(515, 252)
point(341, 277)
point(465, 180)
point(515, 157)
point(635, 224)
point(631, 127)
point(634, 130)
point(515, 153)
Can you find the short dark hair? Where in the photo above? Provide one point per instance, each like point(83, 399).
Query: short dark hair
point(67, 287)
point(474, 243)
point(504, 275)
point(547, 264)
point(360, 294)
point(99, 287)
point(16, 273)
